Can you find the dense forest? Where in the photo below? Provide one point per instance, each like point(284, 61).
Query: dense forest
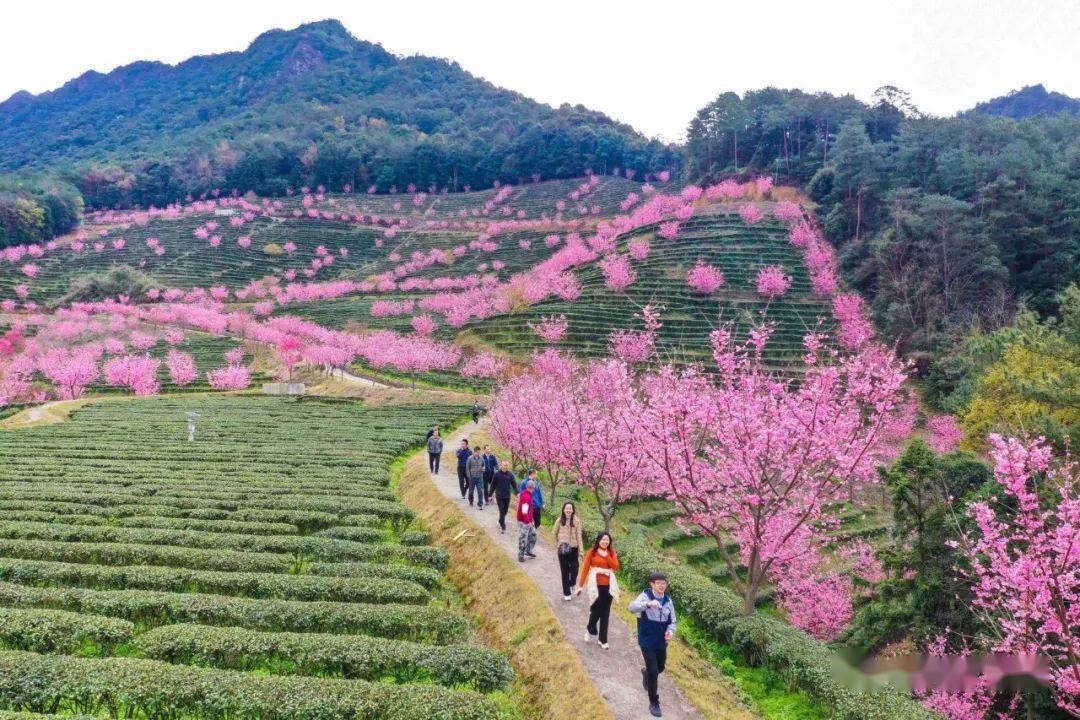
point(37, 208)
point(947, 224)
point(310, 106)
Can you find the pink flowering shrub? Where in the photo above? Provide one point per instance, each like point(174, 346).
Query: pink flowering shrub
point(618, 275)
point(772, 282)
point(704, 278)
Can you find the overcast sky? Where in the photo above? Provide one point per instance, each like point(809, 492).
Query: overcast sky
point(649, 64)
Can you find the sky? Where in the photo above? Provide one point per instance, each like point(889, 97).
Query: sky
point(652, 64)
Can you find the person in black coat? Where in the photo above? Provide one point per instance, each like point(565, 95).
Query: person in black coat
point(503, 484)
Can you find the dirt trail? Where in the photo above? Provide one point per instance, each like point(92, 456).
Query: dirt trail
point(616, 672)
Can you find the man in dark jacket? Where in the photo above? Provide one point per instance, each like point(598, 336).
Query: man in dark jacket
point(655, 628)
point(502, 485)
point(491, 464)
point(463, 454)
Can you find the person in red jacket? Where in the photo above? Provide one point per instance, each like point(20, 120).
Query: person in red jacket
point(598, 577)
point(526, 529)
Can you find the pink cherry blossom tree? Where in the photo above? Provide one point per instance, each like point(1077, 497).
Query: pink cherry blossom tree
point(772, 282)
point(551, 328)
point(182, 370)
point(1024, 560)
point(754, 457)
point(943, 433)
point(618, 275)
point(704, 278)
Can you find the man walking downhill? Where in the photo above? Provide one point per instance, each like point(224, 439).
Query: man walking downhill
point(434, 451)
point(655, 628)
point(526, 529)
point(463, 454)
point(502, 485)
point(491, 464)
point(474, 468)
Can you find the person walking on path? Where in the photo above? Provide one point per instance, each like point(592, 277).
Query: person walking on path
point(502, 485)
point(476, 409)
point(463, 455)
point(491, 464)
point(474, 468)
point(598, 579)
point(431, 431)
point(526, 529)
point(655, 628)
point(568, 544)
point(434, 451)
point(538, 496)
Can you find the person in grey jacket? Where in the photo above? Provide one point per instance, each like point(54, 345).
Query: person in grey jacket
point(434, 451)
point(474, 468)
point(655, 628)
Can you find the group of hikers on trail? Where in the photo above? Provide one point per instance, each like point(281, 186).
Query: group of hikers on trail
point(482, 477)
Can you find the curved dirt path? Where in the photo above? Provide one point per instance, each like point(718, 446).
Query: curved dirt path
point(615, 672)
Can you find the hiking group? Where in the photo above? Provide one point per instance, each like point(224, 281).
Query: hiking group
point(481, 478)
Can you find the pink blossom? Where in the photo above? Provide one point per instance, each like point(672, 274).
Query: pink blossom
point(705, 279)
point(551, 328)
point(772, 282)
point(230, 377)
point(944, 434)
point(618, 275)
point(750, 213)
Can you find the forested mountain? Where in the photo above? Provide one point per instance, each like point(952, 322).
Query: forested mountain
point(308, 106)
point(1028, 101)
point(946, 224)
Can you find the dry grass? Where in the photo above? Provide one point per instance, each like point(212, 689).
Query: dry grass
point(507, 606)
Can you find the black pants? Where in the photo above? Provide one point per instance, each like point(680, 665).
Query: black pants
point(655, 660)
point(488, 477)
point(600, 613)
point(568, 570)
point(462, 480)
point(433, 461)
point(504, 506)
point(536, 517)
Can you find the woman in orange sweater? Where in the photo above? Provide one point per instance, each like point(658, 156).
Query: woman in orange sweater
point(598, 576)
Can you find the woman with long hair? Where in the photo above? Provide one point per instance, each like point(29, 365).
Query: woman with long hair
point(598, 578)
point(568, 544)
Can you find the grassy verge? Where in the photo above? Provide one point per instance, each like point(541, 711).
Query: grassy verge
point(550, 672)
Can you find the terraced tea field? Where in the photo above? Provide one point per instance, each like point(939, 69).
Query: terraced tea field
point(720, 240)
point(265, 570)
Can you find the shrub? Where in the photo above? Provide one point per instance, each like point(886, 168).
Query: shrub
point(147, 688)
point(349, 656)
point(48, 631)
point(255, 585)
point(148, 608)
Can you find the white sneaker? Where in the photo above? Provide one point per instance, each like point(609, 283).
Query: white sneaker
point(604, 645)
point(589, 636)
point(567, 598)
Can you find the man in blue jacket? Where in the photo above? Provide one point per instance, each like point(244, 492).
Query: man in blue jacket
point(655, 628)
point(463, 454)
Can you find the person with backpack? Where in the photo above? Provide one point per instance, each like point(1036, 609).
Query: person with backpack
point(568, 544)
point(474, 468)
point(502, 485)
point(434, 451)
point(526, 529)
point(538, 496)
point(655, 628)
point(463, 454)
point(598, 579)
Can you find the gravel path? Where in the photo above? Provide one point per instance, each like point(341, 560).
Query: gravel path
point(616, 672)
